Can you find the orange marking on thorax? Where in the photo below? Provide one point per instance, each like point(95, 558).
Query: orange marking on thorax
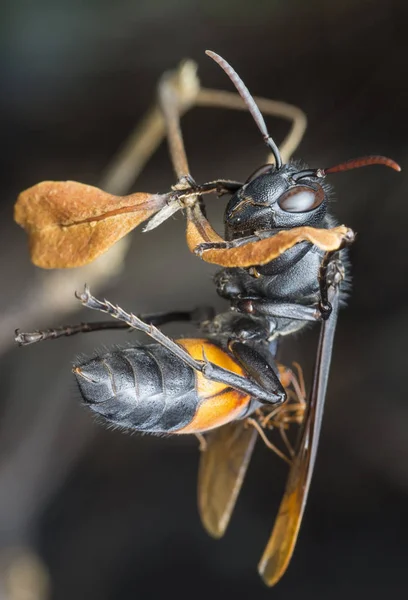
point(219, 403)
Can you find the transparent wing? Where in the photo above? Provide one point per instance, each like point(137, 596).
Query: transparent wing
point(279, 550)
point(222, 470)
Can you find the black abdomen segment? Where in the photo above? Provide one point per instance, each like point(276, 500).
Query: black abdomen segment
point(145, 388)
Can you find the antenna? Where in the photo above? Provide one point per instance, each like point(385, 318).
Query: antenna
point(250, 102)
point(355, 163)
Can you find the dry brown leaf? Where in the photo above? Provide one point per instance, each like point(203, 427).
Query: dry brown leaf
point(69, 224)
point(263, 251)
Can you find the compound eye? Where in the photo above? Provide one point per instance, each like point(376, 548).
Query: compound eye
point(260, 171)
point(301, 198)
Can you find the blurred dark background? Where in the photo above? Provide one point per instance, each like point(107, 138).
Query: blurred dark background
point(87, 512)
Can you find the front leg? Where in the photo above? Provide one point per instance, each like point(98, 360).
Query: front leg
point(285, 310)
point(331, 274)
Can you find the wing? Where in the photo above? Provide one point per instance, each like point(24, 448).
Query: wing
point(222, 470)
point(281, 544)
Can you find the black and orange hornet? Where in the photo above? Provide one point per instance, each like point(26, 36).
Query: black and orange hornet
point(283, 267)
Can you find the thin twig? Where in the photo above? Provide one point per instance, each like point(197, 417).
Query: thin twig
point(222, 99)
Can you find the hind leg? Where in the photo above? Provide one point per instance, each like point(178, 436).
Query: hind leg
point(264, 389)
point(202, 313)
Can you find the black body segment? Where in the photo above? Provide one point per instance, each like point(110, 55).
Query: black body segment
point(144, 388)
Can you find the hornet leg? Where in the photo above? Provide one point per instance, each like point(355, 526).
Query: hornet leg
point(285, 310)
point(331, 274)
point(258, 368)
point(200, 314)
point(208, 369)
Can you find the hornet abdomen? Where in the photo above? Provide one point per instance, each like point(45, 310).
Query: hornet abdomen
point(149, 389)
